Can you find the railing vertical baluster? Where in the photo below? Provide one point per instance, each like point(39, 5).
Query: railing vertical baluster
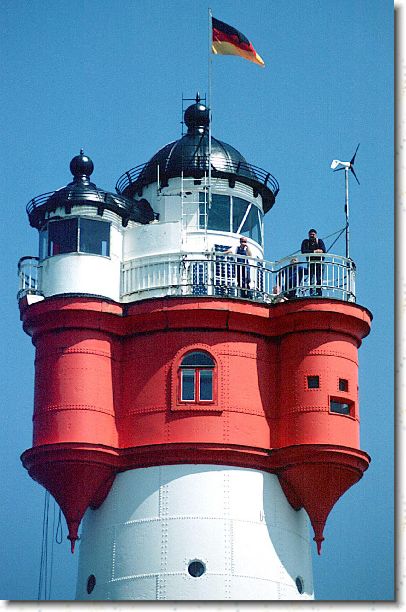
point(344, 282)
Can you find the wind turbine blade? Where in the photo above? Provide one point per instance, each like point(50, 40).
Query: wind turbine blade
point(356, 178)
point(353, 157)
point(338, 169)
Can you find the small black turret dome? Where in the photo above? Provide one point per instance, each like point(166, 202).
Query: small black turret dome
point(81, 166)
point(197, 117)
point(82, 192)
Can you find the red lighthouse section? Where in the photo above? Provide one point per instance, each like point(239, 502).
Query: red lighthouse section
point(318, 413)
point(197, 384)
point(318, 380)
point(76, 387)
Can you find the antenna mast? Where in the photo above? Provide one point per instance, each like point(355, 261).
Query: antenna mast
point(347, 217)
point(346, 166)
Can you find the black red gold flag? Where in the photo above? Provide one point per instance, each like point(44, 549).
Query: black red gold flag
point(229, 41)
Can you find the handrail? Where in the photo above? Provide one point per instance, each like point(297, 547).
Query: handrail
point(220, 274)
point(229, 275)
point(28, 276)
point(77, 195)
point(200, 164)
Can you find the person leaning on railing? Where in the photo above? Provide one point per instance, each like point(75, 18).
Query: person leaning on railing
point(243, 270)
point(312, 244)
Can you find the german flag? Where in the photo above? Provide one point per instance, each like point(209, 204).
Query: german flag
point(229, 41)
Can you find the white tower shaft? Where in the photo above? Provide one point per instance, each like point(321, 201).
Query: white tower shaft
point(161, 526)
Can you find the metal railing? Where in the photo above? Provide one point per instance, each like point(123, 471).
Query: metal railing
point(28, 276)
point(145, 173)
point(227, 275)
point(223, 275)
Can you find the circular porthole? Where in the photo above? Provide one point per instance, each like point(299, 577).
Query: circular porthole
point(299, 584)
point(91, 583)
point(196, 568)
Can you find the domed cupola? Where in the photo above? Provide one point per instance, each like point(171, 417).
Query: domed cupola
point(190, 155)
point(82, 192)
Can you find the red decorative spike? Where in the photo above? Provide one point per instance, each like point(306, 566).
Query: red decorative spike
point(318, 541)
point(73, 535)
point(318, 475)
point(73, 476)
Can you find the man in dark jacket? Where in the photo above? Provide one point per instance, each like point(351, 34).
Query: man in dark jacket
point(314, 245)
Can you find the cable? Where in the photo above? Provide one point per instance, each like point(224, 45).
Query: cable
point(340, 231)
point(52, 552)
point(42, 582)
point(333, 243)
point(47, 553)
point(58, 534)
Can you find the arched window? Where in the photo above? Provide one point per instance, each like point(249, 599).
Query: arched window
point(196, 374)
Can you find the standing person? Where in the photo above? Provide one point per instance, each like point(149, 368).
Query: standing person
point(312, 244)
point(243, 269)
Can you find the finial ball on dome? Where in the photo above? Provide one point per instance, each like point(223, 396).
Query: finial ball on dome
point(197, 116)
point(81, 165)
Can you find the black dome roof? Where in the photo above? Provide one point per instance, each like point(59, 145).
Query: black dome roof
point(81, 191)
point(190, 155)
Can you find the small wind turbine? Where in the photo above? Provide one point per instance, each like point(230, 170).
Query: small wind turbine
point(346, 166)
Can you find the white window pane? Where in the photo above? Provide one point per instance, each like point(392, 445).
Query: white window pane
point(197, 358)
point(251, 227)
point(239, 209)
point(219, 213)
point(63, 236)
point(94, 237)
point(206, 385)
point(188, 385)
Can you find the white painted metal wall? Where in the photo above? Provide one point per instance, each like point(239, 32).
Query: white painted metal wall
point(84, 272)
point(155, 521)
point(168, 204)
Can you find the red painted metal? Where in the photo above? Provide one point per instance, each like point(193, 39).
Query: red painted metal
point(106, 394)
point(73, 475)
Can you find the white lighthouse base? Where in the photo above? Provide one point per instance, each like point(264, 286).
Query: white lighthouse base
point(195, 532)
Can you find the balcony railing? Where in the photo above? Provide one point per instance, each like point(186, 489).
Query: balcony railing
point(237, 276)
point(224, 275)
point(144, 173)
point(28, 276)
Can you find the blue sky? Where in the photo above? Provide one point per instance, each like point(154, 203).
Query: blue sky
point(109, 77)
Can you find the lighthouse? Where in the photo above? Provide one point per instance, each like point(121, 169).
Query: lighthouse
point(196, 410)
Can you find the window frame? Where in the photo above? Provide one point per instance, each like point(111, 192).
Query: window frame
point(308, 387)
point(44, 243)
point(342, 400)
point(197, 404)
point(203, 214)
point(346, 385)
point(197, 370)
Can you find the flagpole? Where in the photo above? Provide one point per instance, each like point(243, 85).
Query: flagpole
point(209, 104)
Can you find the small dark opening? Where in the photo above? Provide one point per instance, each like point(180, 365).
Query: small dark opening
point(196, 568)
point(343, 384)
point(300, 584)
point(313, 382)
point(91, 583)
